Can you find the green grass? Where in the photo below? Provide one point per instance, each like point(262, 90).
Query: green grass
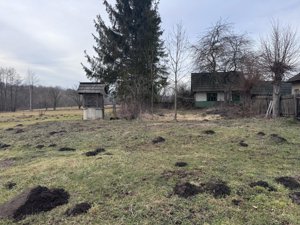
point(132, 187)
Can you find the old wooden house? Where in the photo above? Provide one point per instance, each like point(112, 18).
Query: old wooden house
point(93, 100)
point(209, 89)
point(295, 81)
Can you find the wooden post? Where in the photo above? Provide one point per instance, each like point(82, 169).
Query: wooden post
point(296, 107)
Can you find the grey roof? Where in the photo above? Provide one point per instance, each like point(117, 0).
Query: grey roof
point(216, 81)
point(294, 79)
point(266, 88)
point(92, 88)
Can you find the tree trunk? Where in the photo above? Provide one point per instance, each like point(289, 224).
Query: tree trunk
point(30, 97)
point(276, 99)
point(175, 100)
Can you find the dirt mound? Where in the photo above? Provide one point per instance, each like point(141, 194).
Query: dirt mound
point(186, 190)
point(209, 132)
point(277, 139)
point(158, 140)
point(295, 197)
point(181, 164)
point(78, 209)
point(10, 185)
point(218, 189)
point(94, 153)
point(3, 146)
point(33, 201)
point(243, 144)
point(237, 202)
point(114, 118)
point(263, 184)
point(67, 149)
point(52, 145)
point(19, 131)
point(57, 132)
point(261, 134)
point(289, 182)
point(40, 146)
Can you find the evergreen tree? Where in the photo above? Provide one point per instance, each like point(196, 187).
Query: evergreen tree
point(129, 51)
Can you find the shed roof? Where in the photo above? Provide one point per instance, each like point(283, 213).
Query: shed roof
point(216, 81)
point(92, 88)
point(266, 88)
point(294, 79)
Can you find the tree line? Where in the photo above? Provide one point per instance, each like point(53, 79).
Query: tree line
point(25, 94)
point(138, 64)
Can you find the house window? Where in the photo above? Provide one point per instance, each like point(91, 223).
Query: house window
point(212, 97)
point(236, 96)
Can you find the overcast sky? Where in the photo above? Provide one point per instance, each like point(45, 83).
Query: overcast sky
point(50, 36)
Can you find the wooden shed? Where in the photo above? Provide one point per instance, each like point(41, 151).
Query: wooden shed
point(93, 100)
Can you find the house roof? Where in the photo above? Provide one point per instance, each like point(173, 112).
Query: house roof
point(294, 79)
point(216, 81)
point(92, 88)
point(266, 88)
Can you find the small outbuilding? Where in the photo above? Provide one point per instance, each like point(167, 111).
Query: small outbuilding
point(295, 81)
point(93, 99)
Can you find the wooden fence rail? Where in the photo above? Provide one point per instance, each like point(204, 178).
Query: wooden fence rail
point(289, 105)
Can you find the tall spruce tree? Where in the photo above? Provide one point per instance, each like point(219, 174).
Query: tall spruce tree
point(129, 51)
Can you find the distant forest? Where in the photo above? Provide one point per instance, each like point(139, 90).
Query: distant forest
point(18, 94)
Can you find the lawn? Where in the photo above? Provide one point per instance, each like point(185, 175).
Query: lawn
point(133, 181)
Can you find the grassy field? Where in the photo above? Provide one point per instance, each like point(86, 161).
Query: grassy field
point(133, 181)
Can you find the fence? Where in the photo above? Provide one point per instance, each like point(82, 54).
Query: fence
point(289, 105)
point(297, 107)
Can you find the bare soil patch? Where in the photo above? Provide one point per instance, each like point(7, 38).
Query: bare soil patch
point(10, 185)
point(67, 149)
point(243, 144)
point(33, 201)
point(218, 189)
point(295, 197)
point(158, 140)
point(19, 131)
point(57, 132)
point(209, 132)
point(186, 190)
point(40, 146)
point(9, 129)
point(181, 164)
point(78, 209)
point(4, 146)
point(289, 182)
point(52, 145)
point(261, 134)
point(94, 153)
point(237, 202)
point(263, 184)
point(278, 139)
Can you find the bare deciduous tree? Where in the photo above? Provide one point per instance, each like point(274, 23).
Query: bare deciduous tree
point(209, 52)
point(178, 52)
point(54, 95)
point(279, 57)
point(32, 80)
point(75, 97)
point(220, 49)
